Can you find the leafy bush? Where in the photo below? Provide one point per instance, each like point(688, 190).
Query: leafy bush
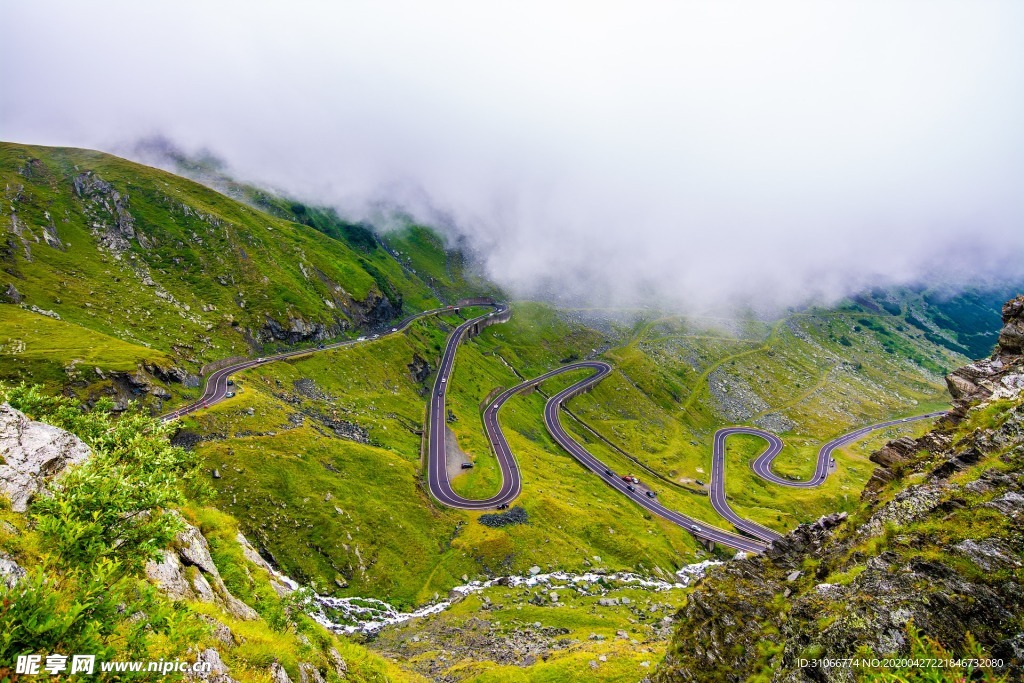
point(100, 522)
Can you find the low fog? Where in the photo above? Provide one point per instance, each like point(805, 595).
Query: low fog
point(697, 155)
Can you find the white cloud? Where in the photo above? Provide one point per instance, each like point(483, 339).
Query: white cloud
point(709, 152)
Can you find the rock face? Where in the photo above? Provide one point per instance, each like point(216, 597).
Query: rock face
point(10, 571)
point(218, 672)
point(32, 453)
point(419, 368)
point(10, 295)
point(187, 572)
point(113, 224)
point(936, 542)
point(1002, 375)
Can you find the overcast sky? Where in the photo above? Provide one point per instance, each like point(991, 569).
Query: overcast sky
point(707, 153)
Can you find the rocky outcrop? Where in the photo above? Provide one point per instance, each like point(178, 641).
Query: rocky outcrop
point(10, 295)
point(372, 312)
point(278, 674)
point(419, 368)
point(10, 571)
point(218, 670)
point(112, 222)
point(187, 572)
point(1011, 337)
point(277, 582)
point(1002, 375)
point(174, 375)
point(32, 453)
point(295, 330)
point(935, 543)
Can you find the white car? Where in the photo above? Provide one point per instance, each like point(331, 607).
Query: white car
point(695, 527)
point(444, 379)
point(361, 339)
point(394, 329)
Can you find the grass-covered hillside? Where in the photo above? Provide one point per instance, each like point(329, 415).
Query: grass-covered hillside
point(132, 254)
point(927, 565)
point(109, 556)
point(322, 455)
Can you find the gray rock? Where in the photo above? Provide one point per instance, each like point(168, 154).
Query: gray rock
point(32, 453)
point(309, 674)
point(340, 667)
point(194, 550)
point(278, 674)
point(204, 583)
point(221, 632)
point(989, 554)
point(1010, 503)
point(10, 571)
point(253, 555)
point(10, 295)
point(169, 575)
point(218, 672)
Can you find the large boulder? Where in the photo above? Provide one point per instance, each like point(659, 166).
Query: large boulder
point(218, 670)
point(1011, 337)
point(32, 453)
point(187, 572)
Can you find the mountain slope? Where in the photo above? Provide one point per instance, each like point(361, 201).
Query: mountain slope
point(159, 261)
point(934, 551)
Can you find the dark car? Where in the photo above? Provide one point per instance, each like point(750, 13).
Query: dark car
point(231, 382)
point(503, 506)
point(608, 472)
point(467, 465)
point(651, 494)
point(631, 487)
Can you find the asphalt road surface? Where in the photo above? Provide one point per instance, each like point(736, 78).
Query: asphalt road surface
point(762, 465)
point(217, 383)
point(217, 388)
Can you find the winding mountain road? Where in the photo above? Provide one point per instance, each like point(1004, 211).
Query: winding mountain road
point(762, 466)
point(756, 536)
point(440, 487)
point(216, 387)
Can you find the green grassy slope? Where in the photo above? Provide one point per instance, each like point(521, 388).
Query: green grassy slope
point(139, 255)
point(354, 518)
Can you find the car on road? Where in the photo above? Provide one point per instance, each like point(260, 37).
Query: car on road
point(376, 336)
point(503, 506)
point(631, 487)
point(394, 329)
point(231, 382)
point(694, 527)
point(230, 394)
point(608, 472)
point(699, 482)
point(444, 379)
point(631, 478)
point(651, 494)
point(321, 347)
point(361, 339)
point(261, 360)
